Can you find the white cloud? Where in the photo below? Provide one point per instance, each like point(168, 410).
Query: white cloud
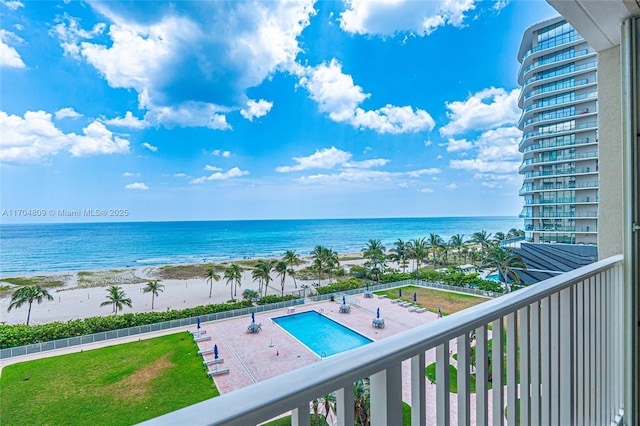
point(388, 17)
point(491, 185)
point(487, 109)
point(149, 146)
point(129, 174)
point(418, 173)
point(327, 158)
point(12, 5)
point(212, 168)
point(367, 164)
point(458, 145)
point(35, 136)
point(67, 113)
point(439, 157)
point(220, 153)
point(137, 185)
point(9, 56)
point(129, 120)
point(180, 175)
point(337, 95)
point(426, 190)
point(229, 174)
point(428, 142)
point(200, 58)
point(452, 186)
point(256, 109)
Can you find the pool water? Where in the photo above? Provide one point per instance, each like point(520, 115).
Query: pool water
point(322, 335)
point(493, 277)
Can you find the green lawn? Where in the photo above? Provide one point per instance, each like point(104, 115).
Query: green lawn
point(449, 302)
point(116, 385)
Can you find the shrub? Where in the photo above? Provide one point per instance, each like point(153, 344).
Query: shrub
point(341, 286)
point(275, 299)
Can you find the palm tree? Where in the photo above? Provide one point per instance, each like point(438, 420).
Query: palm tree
point(319, 256)
point(211, 275)
point(28, 295)
point(292, 259)
point(332, 260)
point(374, 252)
point(513, 233)
point(116, 297)
point(262, 274)
point(233, 274)
point(457, 243)
point(504, 260)
point(153, 287)
point(499, 237)
point(482, 238)
point(281, 270)
point(434, 242)
point(418, 249)
point(400, 254)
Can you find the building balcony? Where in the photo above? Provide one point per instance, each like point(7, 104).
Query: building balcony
point(559, 159)
point(551, 76)
point(580, 127)
point(570, 200)
point(578, 113)
point(572, 229)
point(558, 87)
point(558, 344)
point(582, 97)
point(555, 62)
point(565, 172)
point(527, 188)
point(558, 215)
point(552, 43)
point(551, 145)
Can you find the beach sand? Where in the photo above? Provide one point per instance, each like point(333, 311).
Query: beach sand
point(73, 302)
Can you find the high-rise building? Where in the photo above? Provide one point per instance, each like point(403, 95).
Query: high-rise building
point(559, 101)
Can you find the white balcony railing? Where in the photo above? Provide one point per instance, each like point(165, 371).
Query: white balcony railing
point(558, 343)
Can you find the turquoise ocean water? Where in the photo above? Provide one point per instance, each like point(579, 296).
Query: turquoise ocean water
point(82, 246)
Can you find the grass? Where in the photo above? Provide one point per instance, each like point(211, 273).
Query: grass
point(122, 384)
point(431, 299)
point(286, 421)
point(106, 278)
point(182, 272)
point(43, 281)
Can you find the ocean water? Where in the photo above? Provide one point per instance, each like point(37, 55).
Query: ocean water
point(82, 246)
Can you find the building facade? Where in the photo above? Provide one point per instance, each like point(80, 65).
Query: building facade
point(559, 121)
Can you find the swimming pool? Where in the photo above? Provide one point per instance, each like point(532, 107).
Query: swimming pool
point(322, 335)
point(493, 277)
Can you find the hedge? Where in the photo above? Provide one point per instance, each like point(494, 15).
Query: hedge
point(19, 335)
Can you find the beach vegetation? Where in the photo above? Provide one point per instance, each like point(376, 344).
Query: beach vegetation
point(28, 295)
point(116, 297)
point(233, 275)
point(281, 269)
point(483, 239)
point(274, 298)
point(41, 280)
point(153, 287)
point(417, 251)
point(121, 384)
point(400, 254)
point(210, 275)
point(374, 252)
point(108, 278)
point(291, 258)
point(250, 295)
point(181, 272)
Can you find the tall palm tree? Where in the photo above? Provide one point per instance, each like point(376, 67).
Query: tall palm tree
point(319, 256)
point(482, 238)
point(153, 287)
point(211, 275)
point(418, 250)
point(233, 274)
point(434, 242)
point(499, 237)
point(281, 269)
point(374, 253)
point(456, 242)
point(262, 274)
point(513, 233)
point(116, 297)
point(504, 260)
point(292, 259)
point(400, 253)
point(332, 260)
point(28, 295)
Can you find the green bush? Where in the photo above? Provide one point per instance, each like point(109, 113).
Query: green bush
point(341, 286)
point(275, 299)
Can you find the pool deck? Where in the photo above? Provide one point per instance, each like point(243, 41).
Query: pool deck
point(255, 357)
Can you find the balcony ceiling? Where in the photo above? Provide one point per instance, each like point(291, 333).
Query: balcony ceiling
point(598, 21)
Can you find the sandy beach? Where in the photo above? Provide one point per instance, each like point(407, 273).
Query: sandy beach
point(73, 300)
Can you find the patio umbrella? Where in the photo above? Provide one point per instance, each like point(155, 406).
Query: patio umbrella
point(378, 313)
point(439, 312)
point(344, 300)
point(198, 323)
point(399, 292)
point(415, 297)
point(215, 351)
point(367, 286)
point(253, 317)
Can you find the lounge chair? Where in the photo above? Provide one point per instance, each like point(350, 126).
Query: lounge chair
point(206, 351)
point(378, 323)
point(200, 331)
point(201, 338)
point(254, 327)
point(345, 309)
point(217, 371)
point(213, 361)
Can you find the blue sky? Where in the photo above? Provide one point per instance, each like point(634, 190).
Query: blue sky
point(260, 110)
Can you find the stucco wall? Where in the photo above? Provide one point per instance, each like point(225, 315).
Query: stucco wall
point(610, 216)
